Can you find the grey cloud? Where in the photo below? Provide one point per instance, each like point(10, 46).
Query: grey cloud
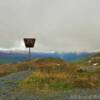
point(58, 25)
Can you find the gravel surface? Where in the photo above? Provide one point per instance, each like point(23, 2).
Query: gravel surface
point(8, 85)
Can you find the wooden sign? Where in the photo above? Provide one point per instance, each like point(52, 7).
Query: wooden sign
point(29, 42)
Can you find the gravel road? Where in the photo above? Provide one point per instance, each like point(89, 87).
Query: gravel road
point(8, 85)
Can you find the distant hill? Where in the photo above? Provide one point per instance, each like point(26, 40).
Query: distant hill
point(93, 60)
point(41, 63)
point(14, 57)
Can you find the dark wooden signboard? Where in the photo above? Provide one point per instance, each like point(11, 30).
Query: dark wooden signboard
point(29, 42)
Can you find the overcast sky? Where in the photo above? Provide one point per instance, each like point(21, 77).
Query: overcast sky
point(58, 25)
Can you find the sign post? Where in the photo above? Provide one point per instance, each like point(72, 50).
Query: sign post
point(29, 43)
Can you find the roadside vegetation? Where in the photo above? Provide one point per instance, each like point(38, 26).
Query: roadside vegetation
point(49, 74)
point(54, 75)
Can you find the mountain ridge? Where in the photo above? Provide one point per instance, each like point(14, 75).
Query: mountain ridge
point(14, 57)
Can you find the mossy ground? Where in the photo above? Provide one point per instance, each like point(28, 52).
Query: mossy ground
point(60, 78)
point(54, 75)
